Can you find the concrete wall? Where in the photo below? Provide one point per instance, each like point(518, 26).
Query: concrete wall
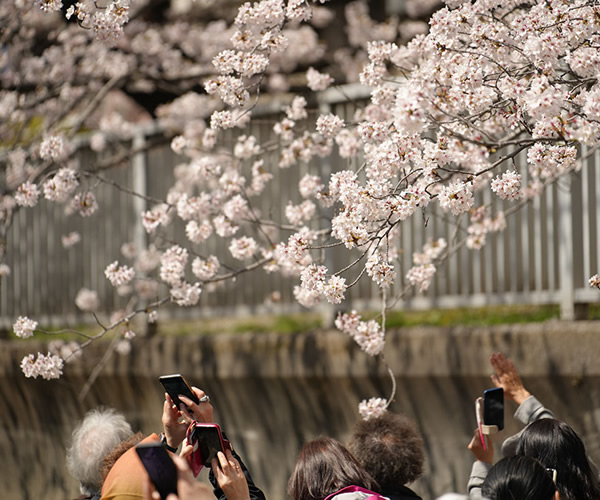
point(273, 392)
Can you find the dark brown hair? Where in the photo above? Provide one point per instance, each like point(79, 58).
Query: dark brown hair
point(323, 467)
point(117, 451)
point(390, 448)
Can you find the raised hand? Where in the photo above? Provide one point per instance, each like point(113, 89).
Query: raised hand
point(201, 412)
point(508, 378)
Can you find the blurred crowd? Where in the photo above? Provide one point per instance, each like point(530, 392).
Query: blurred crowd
point(385, 454)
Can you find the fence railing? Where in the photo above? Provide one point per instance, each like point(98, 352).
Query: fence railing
point(545, 256)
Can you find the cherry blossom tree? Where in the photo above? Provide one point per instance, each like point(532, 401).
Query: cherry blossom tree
point(449, 114)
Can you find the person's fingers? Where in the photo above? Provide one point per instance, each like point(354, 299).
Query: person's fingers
point(198, 392)
point(472, 444)
point(495, 380)
point(181, 463)
point(509, 365)
point(233, 462)
point(223, 461)
point(202, 411)
point(217, 471)
point(186, 450)
point(172, 496)
point(186, 400)
point(184, 409)
point(496, 361)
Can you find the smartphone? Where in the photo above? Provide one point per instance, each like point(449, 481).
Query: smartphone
point(160, 467)
point(176, 385)
point(210, 441)
point(493, 407)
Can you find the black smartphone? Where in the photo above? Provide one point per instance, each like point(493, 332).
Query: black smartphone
point(160, 467)
point(176, 385)
point(493, 407)
point(210, 441)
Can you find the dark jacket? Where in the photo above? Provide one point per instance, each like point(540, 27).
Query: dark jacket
point(401, 493)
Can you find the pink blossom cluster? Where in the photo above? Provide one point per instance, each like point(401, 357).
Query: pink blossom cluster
point(185, 294)
point(456, 198)
point(87, 300)
point(507, 187)
point(85, 203)
point(60, 186)
point(52, 148)
point(318, 81)
point(71, 239)
point(27, 195)
point(157, 216)
point(380, 270)
point(367, 334)
point(243, 248)
point(24, 327)
point(549, 161)
point(4, 270)
point(205, 269)
point(373, 408)
point(172, 265)
point(119, 275)
point(421, 276)
point(48, 366)
point(329, 125)
point(314, 280)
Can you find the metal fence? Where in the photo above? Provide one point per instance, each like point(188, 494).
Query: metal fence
point(545, 256)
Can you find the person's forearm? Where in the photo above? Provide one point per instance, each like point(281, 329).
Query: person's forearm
point(531, 410)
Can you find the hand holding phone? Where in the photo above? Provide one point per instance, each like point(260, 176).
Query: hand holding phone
point(176, 385)
point(493, 408)
point(161, 469)
point(206, 440)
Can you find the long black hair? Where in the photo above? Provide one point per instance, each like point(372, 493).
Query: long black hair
point(518, 478)
point(556, 445)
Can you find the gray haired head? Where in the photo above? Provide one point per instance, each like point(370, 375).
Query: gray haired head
point(94, 437)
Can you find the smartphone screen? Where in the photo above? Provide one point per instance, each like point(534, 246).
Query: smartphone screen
point(160, 467)
point(209, 442)
point(493, 407)
point(175, 385)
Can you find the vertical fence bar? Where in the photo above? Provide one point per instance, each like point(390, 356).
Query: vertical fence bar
point(565, 253)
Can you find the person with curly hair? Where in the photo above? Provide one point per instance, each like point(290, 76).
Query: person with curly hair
point(391, 449)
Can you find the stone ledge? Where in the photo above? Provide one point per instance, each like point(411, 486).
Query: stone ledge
point(538, 349)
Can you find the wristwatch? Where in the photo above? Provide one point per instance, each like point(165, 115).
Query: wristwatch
point(163, 440)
